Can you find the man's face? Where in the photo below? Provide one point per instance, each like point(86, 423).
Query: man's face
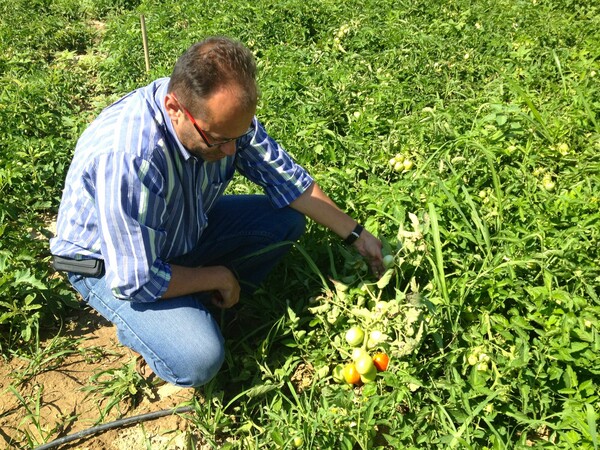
point(224, 120)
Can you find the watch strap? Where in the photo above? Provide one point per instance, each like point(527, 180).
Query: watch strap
point(352, 237)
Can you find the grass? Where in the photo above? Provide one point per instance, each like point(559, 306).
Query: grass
point(34, 431)
point(122, 388)
point(492, 310)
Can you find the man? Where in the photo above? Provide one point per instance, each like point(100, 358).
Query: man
point(143, 228)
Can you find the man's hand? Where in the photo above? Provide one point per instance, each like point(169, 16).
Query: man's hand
point(318, 206)
point(370, 248)
point(229, 294)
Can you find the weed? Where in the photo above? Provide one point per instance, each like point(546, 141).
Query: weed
point(122, 387)
point(52, 355)
point(34, 430)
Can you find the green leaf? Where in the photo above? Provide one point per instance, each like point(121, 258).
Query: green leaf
point(591, 422)
point(578, 346)
point(262, 389)
point(277, 438)
point(570, 378)
point(385, 278)
point(25, 277)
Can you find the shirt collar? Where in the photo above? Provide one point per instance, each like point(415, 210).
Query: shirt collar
point(160, 93)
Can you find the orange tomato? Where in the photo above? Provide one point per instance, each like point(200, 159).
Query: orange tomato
point(381, 361)
point(350, 373)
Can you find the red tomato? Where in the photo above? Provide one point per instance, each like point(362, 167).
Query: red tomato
point(381, 361)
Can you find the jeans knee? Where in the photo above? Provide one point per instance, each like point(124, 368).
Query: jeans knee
point(193, 368)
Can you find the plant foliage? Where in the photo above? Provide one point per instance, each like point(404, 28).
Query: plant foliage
point(491, 312)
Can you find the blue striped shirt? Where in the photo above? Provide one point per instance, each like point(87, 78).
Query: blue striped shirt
point(135, 197)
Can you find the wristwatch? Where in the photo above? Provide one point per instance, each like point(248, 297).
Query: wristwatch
point(352, 237)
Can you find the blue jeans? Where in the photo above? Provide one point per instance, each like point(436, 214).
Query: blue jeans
point(178, 337)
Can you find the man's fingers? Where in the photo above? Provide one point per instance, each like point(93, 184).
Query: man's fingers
point(377, 269)
point(220, 301)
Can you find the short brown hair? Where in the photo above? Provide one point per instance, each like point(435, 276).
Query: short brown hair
point(210, 65)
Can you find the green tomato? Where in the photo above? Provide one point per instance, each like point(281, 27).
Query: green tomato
point(370, 375)
point(355, 336)
point(364, 364)
point(563, 148)
point(371, 343)
point(375, 338)
point(338, 373)
point(298, 442)
point(548, 184)
point(388, 261)
point(357, 353)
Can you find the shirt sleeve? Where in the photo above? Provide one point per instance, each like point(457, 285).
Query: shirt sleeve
point(131, 208)
point(263, 161)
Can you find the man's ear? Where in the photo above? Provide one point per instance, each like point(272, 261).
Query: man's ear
point(172, 107)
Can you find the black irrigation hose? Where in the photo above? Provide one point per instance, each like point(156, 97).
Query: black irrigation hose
point(116, 424)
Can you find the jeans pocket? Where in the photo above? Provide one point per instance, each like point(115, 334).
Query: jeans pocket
point(90, 282)
point(83, 285)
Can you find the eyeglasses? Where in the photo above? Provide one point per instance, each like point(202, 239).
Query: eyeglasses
point(203, 134)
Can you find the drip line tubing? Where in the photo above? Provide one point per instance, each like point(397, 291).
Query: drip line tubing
point(115, 424)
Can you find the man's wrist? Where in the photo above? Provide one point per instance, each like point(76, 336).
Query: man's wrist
point(354, 235)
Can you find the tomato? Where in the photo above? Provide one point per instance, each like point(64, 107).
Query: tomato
point(548, 183)
point(388, 261)
point(364, 364)
point(375, 338)
point(372, 343)
point(351, 375)
point(298, 442)
point(563, 148)
point(355, 336)
point(369, 376)
point(338, 373)
point(357, 353)
point(381, 361)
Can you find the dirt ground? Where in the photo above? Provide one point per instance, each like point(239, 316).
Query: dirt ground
point(58, 405)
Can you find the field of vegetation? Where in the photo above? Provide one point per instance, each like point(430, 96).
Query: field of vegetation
point(466, 134)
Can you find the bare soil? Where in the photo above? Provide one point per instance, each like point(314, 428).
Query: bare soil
point(53, 402)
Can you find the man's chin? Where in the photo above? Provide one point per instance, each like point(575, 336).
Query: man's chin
point(212, 158)
point(208, 157)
